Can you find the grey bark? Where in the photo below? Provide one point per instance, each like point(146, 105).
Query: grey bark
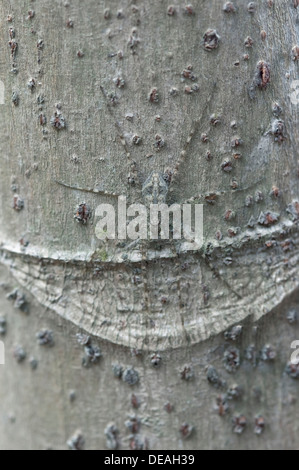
point(79, 86)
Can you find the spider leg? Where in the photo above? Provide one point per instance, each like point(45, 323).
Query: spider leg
point(86, 190)
point(196, 126)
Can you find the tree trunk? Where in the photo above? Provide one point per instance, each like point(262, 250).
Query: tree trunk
point(116, 344)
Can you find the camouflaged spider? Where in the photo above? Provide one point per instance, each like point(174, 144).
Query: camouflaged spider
point(155, 187)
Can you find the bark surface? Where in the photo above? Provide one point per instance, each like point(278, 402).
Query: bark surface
point(95, 98)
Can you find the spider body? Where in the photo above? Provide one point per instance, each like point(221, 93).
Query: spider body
point(154, 189)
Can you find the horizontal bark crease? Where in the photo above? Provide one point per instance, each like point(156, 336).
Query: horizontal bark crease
point(172, 302)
